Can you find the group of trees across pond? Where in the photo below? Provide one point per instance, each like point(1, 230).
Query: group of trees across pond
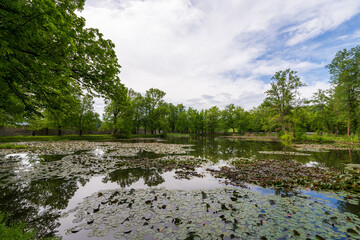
point(52, 67)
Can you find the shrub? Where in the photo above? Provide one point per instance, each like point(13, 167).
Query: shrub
point(14, 231)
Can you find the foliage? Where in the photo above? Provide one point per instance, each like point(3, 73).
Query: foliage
point(289, 174)
point(281, 97)
point(287, 138)
point(345, 71)
point(212, 119)
point(117, 112)
point(82, 115)
point(102, 137)
point(15, 231)
point(46, 54)
point(13, 146)
point(219, 213)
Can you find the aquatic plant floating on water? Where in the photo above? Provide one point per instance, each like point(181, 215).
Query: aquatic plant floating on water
point(217, 213)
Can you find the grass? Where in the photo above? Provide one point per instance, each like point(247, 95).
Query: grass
point(13, 146)
point(21, 138)
point(145, 135)
point(331, 138)
point(15, 231)
point(178, 135)
point(98, 138)
point(325, 138)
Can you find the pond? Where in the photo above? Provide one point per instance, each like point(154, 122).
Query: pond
point(170, 189)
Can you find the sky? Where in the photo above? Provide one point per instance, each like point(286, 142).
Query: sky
point(204, 53)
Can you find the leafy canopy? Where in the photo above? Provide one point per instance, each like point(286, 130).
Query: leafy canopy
point(46, 52)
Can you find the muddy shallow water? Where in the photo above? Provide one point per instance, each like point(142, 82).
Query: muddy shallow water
point(65, 189)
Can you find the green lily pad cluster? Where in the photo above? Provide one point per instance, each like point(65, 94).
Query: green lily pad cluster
point(289, 174)
point(110, 148)
point(353, 167)
point(223, 213)
point(118, 149)
point(285, 153)
point(166, 163)
point(243, 160)
point(324, 147)
point(66, 168)
point(84, 159)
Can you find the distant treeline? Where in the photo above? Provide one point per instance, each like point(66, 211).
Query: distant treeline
point(51, 67)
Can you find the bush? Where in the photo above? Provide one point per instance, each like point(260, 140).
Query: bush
point(317, 138)
point(14, 231)
point(287, 138)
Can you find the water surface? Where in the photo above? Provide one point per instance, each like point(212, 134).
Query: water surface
point(41, 202)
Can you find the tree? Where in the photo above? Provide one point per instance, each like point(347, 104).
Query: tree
point(83, 118)
point(153, 99)
point(212, 117)
point(192, 120)
point(46, 52)
point(57, 115)
point(181, 123)
point(173, 116)
point(228, 118)
point(136, 101)
point(321, 100)
point(282, 95)
point(345, 71)
point(118, 112)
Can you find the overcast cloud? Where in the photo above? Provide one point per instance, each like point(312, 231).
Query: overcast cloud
point(209, 52)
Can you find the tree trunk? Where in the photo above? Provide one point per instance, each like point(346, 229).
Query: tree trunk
point(114, 125)
point(47, 131)
point(33, 133)
point(283, 124)
point(81, 131)
point(348, 124)
point(327, 122)
point(59, 131)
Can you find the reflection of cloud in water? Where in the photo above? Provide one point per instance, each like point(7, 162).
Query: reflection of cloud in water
point(311, 164)
point(26, 161)
point(217, 166)
point(98, 152)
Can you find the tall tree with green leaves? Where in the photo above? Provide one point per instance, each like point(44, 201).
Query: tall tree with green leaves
point(321, 100)
point(45, 52)
point(153, 99)
point(182, 122)
point(212, 119)
point(82, 117)
point(345, 76)
point(118, 112)
point(282, 95)
point(228, 118)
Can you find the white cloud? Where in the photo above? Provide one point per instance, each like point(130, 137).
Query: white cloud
point(308, 91)
point(184, 47)
point(332, 14)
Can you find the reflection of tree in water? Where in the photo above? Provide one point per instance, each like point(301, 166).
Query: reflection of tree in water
point(224, 149)
point(126, 177)
point(286, 193)
point(37, 203)
point(347, 207)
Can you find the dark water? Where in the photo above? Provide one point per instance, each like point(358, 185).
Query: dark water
point(40, 203)
point(224, 149)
